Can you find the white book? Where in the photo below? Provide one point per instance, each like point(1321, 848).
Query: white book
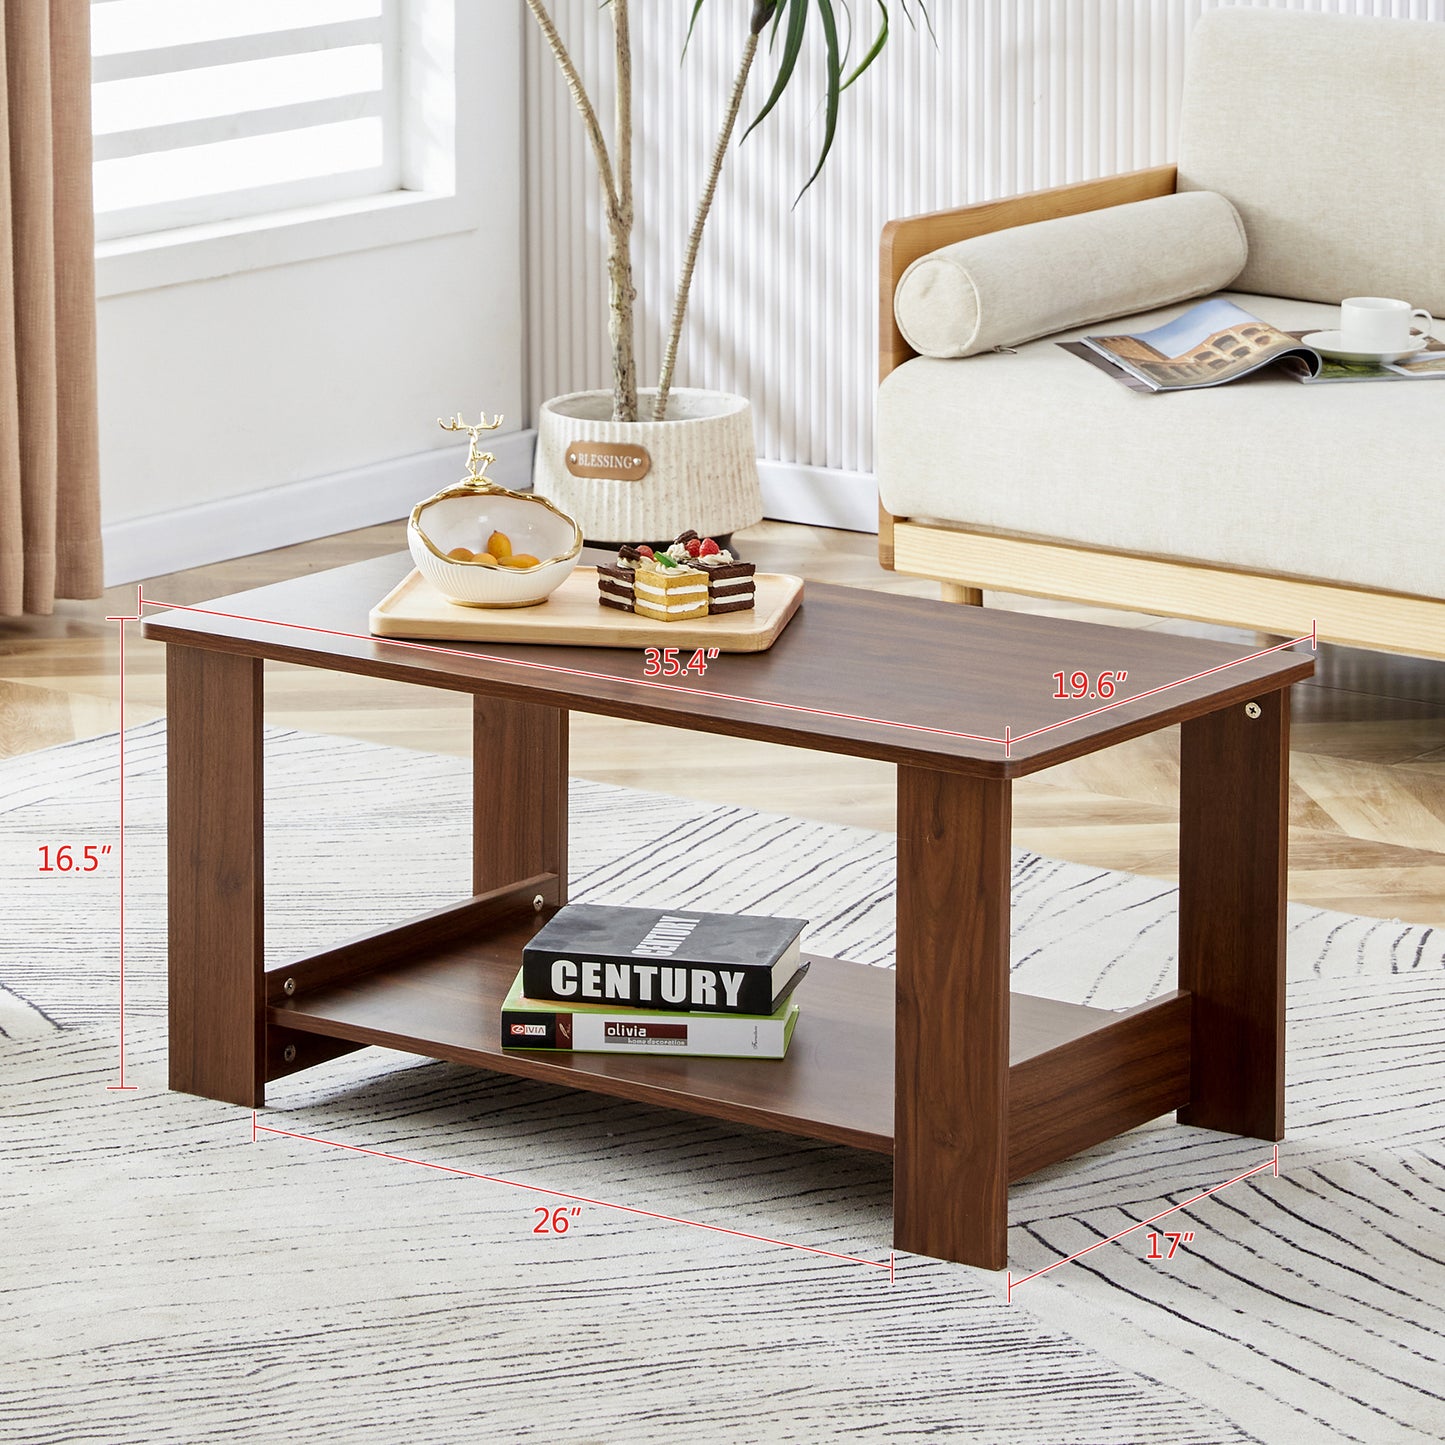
point(604, 1029)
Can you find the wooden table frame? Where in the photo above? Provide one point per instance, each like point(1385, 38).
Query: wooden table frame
point(984, 1087)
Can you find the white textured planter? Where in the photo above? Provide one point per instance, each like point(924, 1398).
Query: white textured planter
point(699, 468)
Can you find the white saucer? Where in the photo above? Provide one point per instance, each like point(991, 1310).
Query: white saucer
point(1331, 344)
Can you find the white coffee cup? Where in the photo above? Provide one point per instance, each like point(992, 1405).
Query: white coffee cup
point(1378, 323)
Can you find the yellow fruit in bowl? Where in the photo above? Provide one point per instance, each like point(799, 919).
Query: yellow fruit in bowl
point(460, 554)
point(485, 558)
point(500, 546)
point(520, 559)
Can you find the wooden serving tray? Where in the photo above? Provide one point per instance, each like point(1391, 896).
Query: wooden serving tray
point(572, 616)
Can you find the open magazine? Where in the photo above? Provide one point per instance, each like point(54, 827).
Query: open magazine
point(1217, 341)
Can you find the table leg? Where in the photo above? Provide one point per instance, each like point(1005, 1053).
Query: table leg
point(519, 794)
point(1233, 838)
point(950, 1103)
point(214, 766)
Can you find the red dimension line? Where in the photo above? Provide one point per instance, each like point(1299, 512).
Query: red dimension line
point(1272, 1163)
point(121, 1086)
point(1193, 677)
point(258, 1128)
point(668, 687)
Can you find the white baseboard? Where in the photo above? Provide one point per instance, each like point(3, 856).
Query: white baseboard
point(297, 512)
point(819, 496)
point(301, 511)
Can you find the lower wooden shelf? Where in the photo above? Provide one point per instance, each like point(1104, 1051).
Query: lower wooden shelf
point(1077, 1075)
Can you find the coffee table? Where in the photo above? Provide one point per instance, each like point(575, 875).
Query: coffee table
point(967, 1086)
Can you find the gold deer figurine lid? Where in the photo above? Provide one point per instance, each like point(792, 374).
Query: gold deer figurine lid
point(477, 483)
point(476, 479)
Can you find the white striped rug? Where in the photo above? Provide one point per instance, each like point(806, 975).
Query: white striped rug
point(164, 1278)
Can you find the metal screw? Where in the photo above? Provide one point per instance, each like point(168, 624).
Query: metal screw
point(289, 987)
point(289, 1053)
point(1252, 710)
point(538, 903)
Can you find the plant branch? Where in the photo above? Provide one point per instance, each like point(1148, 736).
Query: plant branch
point(704, 210)
point(616, 194)
point(622, 142)
point(582, 100)
point(623, 326)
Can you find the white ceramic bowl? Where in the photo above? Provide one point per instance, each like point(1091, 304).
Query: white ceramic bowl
point(464, 516)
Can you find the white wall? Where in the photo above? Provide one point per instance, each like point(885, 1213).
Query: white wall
point(216, 390)
point(1016, 95)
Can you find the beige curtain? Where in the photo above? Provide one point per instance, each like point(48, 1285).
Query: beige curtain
point(49, 485)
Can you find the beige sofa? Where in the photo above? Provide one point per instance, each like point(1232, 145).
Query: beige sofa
point(1264, 503)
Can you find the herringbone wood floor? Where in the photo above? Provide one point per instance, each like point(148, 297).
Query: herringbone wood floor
point(1368, 767)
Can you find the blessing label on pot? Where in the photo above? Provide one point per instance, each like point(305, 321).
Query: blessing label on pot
point(620, 461)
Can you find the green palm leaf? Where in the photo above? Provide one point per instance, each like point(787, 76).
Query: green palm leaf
point(834, 72)
point(875, 49)
point(792, 48)
point(788, 19)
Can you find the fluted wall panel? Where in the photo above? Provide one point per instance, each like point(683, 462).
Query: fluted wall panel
point(1012, 95)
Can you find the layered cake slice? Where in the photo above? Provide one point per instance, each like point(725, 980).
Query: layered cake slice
point(616, 580)
point(731, 585)
point(669, 591)
point(691, 578)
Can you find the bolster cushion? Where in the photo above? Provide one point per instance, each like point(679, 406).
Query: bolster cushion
point(1011, 286)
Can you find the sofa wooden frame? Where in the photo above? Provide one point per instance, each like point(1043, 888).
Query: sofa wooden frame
point(965, 560)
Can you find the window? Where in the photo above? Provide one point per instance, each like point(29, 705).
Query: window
point(215, 110)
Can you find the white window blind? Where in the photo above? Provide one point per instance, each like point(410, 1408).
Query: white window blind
point(211, 110)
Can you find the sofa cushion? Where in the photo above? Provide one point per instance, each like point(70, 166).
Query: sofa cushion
point(1325, 131)
point(1011, 286)
point(1340, 483)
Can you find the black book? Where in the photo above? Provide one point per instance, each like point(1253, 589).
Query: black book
point(673, 959)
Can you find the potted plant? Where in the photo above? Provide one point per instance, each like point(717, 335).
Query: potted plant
point(631, 463)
